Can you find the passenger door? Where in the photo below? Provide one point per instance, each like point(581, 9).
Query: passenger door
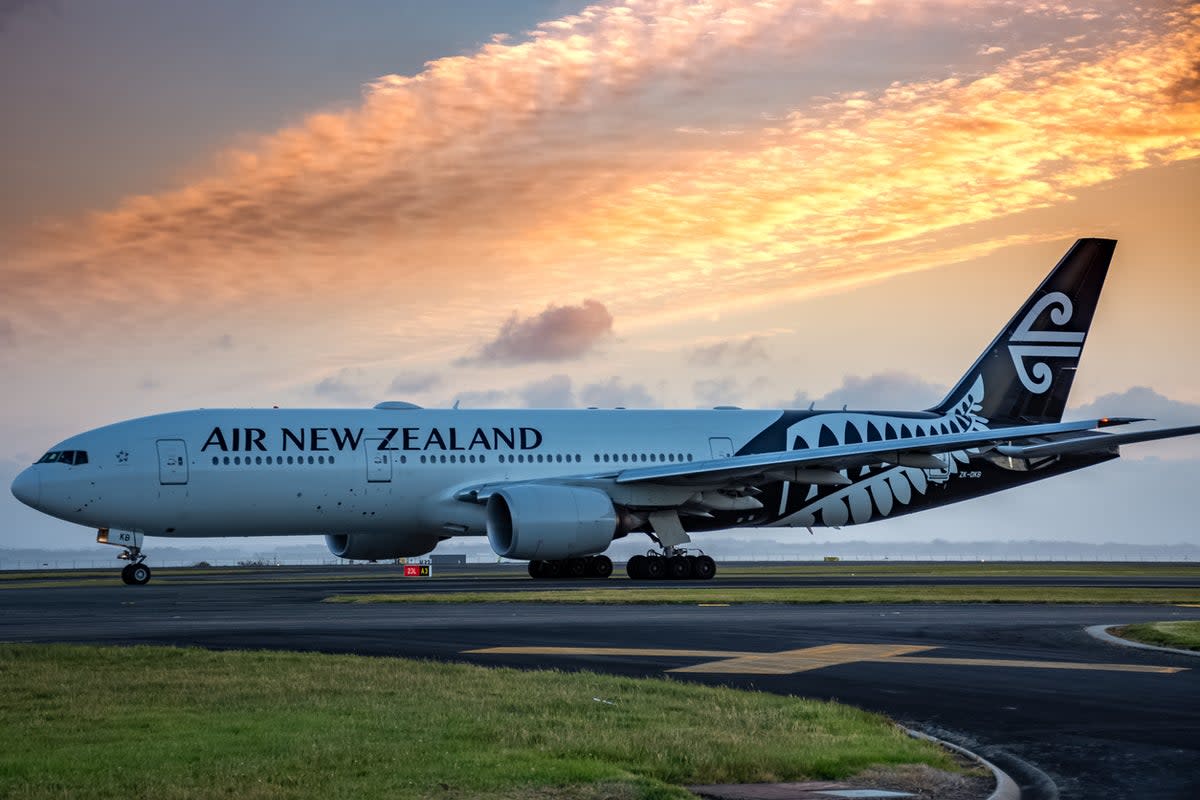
point(172, 462)
point(379, 462)
point(721, 447)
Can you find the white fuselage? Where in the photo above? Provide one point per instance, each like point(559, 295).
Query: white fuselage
point(229, 472)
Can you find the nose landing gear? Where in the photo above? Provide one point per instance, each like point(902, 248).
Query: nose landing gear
point(136, 572)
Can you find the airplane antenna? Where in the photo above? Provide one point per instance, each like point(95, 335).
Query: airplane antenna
point(812, 405)
point(456, 402)
point(843, 406)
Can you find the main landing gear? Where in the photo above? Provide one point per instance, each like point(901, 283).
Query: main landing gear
point(571, 568)
point(135, 573)
point(672, 564)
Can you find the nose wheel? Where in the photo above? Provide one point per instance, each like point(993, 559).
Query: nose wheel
point(135, 574)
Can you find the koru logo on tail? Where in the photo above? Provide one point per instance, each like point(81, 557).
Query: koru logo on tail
point(1044, 344)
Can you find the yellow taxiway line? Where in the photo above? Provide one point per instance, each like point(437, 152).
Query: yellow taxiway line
point(789, 662)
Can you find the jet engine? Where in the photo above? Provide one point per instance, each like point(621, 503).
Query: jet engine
point(547, 522)
point(379, 546)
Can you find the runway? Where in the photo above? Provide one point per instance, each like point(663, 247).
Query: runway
point(1023, 685)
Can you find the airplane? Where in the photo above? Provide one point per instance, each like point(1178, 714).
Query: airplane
point(557, 487)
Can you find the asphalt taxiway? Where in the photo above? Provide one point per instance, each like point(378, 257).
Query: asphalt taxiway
point(1023, 685)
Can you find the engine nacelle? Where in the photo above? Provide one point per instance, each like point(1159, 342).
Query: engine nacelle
point(543, 521)
point(379, 546)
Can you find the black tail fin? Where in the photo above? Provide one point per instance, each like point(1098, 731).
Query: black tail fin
point(1025, 375)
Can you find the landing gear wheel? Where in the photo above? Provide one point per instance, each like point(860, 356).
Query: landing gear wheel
point(139, 574)
point(601, 566)
point(535, 570)
point(577, 567)
point(636, 567)
point(704, 568)
point(126, 575)
point(552, 569)
point(655, 567)
point(678, 568)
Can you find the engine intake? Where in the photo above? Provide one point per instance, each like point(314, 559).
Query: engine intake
point(379, 546)
point(540, 521)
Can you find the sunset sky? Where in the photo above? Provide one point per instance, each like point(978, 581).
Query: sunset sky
point(650, 203)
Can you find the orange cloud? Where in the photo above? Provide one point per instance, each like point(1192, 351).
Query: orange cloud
point(532, 164)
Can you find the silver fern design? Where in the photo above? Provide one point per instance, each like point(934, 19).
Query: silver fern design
point(875, 492)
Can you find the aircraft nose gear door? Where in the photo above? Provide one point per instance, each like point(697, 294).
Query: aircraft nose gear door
point(172, 462)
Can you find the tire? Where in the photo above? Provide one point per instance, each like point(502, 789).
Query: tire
point(704, 568)
point(635, 568)
point(576, 567)
point(127, 575)
point(552, 569)
point(139, 574)
point(656, 567)
point(601, 567)
point(535, 570)
point(678, 568)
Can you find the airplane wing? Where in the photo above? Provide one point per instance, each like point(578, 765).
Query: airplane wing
point(1092, 442)
point(822, 464)
point(917, 451)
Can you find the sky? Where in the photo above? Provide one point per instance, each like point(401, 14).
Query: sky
point(651, 203)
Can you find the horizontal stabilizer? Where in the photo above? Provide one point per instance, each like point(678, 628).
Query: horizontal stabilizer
point(1093, 443)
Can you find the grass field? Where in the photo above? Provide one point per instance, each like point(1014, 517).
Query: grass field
point(207, 724)
point(816, 594)
point(1183, 634)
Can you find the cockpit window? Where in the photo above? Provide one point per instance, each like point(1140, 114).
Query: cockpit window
point(75, 457)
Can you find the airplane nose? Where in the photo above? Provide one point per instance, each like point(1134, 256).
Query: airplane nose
point(28, 487)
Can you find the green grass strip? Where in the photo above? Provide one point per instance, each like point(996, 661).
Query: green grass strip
point(1183, 634)
point(619, 595)
point(202, 724)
